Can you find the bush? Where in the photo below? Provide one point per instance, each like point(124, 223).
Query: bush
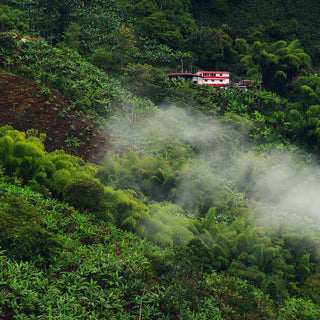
point(21, 234)
point(102, 58)
point(86, 194)
point(22, 26)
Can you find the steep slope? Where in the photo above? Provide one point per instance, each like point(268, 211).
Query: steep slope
point(274, 19)
point(26, 105)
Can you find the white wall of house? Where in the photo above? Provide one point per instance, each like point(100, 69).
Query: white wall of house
point(212, 78)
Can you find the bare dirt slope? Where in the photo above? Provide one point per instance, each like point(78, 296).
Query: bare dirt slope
point(26, 105)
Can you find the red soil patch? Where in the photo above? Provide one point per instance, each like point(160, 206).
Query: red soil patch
point(26, 105)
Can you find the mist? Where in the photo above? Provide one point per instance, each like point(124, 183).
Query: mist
point(223, 155)
point(291, 186)
point(205, 135)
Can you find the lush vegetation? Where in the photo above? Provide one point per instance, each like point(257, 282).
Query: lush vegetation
point(205, 205)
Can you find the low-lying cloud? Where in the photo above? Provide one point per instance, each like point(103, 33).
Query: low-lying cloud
point(276, 178)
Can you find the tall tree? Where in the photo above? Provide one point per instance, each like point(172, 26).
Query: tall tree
point(158, 27)
point(279, 63)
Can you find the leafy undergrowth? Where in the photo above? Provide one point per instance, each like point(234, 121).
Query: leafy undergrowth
point(27, 105)
point(58, 262)
point(101, 272)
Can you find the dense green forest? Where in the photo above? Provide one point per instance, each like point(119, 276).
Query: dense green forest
point(124, 195)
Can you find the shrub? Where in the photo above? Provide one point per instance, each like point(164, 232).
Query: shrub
point(102, 58)
point(22, 26)
point(21, 234)
point(86, 194)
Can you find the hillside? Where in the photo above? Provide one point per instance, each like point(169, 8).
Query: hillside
point(270, 20)
point(26, 105)
point(124, 195)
